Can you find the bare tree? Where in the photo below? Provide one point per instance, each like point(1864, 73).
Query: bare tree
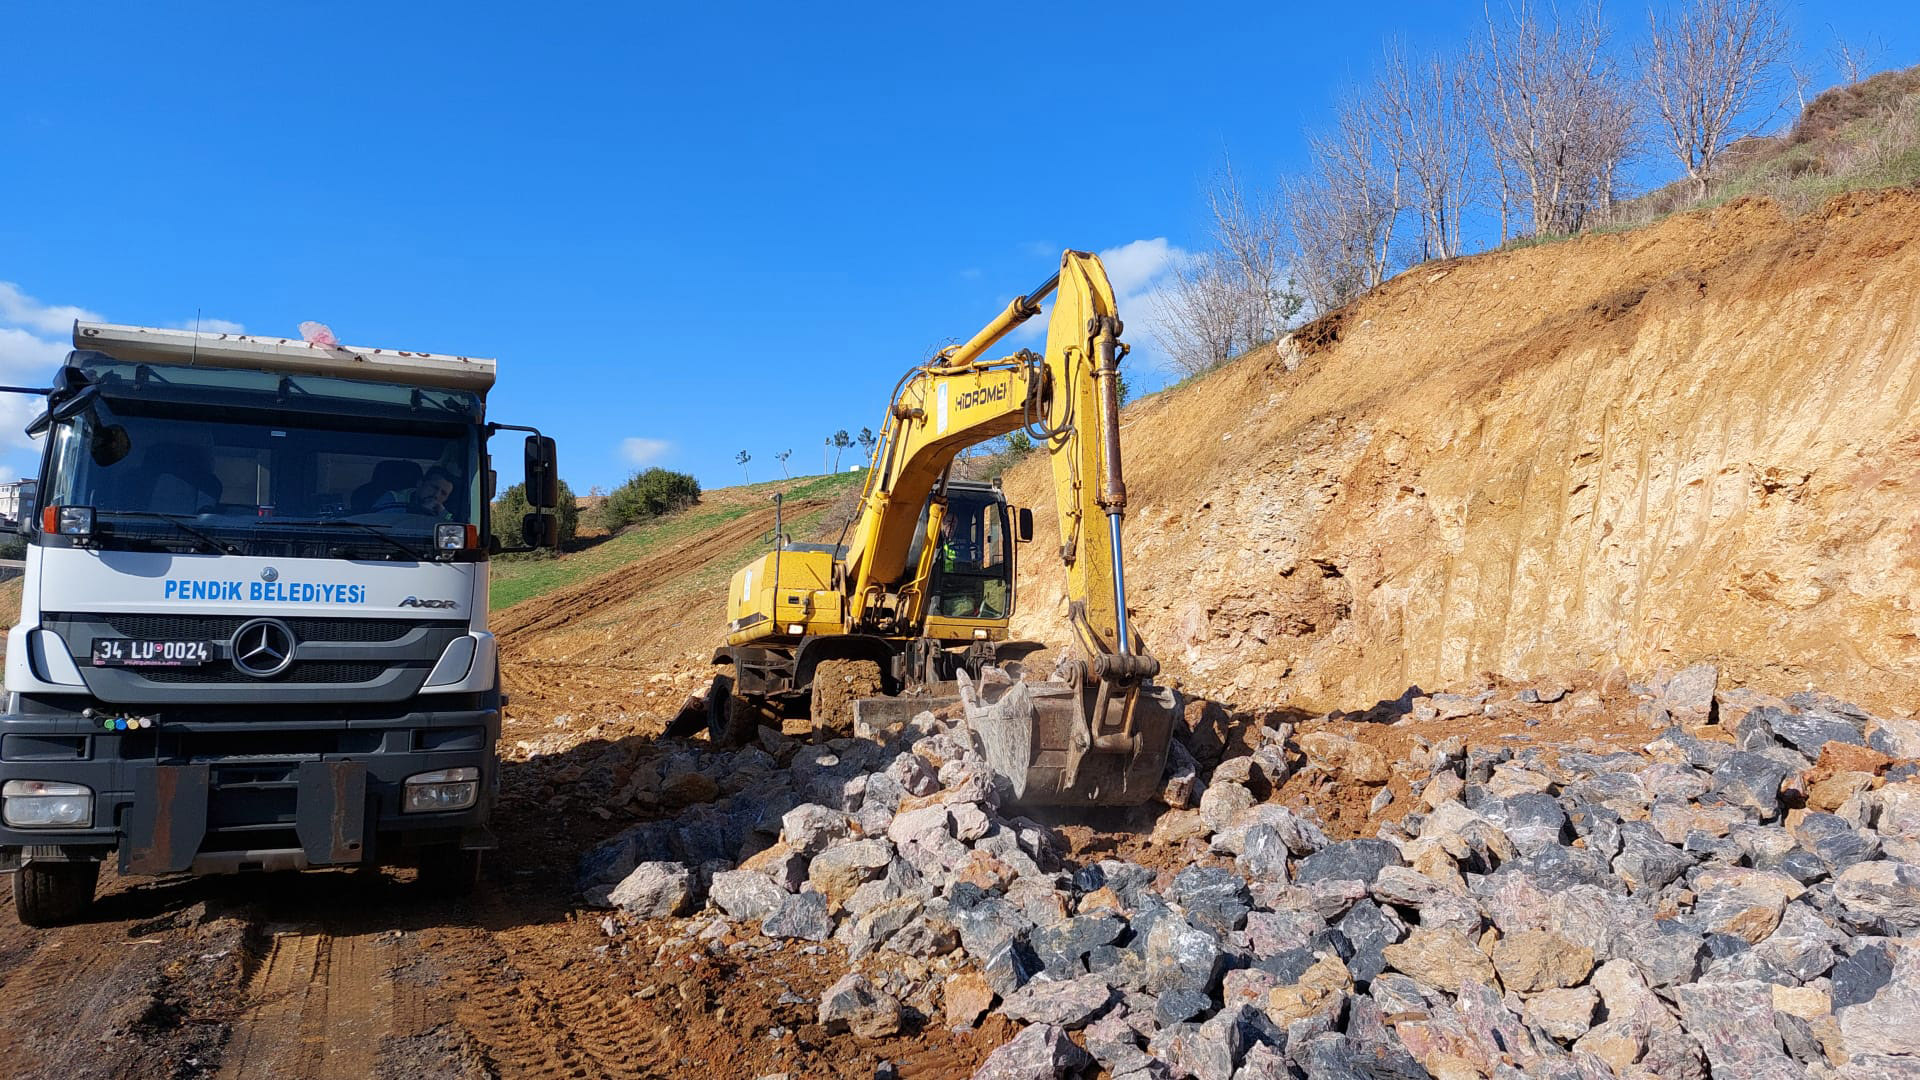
point(1429, 127)
point(1854, 61)
point(1250, 236)
point(1238, 295)
point(1200, 314)
point(1705, 68)
point(1556, 118)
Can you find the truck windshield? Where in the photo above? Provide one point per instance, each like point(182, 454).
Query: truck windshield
point(187, 479)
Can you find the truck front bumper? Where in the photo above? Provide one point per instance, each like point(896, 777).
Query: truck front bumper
point(219, 796)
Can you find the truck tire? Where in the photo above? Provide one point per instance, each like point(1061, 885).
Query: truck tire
point(732, 720)
point(54, 893)
point(448, 870)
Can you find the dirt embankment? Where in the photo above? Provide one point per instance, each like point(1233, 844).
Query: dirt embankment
point(1698, 441)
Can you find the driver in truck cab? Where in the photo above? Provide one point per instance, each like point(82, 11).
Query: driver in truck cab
point(428, 497)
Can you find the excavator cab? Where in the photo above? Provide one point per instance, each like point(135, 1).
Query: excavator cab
point(972, 573)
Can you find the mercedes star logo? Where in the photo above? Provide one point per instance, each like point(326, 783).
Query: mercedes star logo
point(263, 647)
point(269, 574)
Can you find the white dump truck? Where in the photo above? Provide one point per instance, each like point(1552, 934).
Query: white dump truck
point(253, 632)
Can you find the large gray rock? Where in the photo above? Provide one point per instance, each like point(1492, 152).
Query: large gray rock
point(654, 890)
point(1835, 842)
point(1646, 862)
point(1068, 1004)
point(1536, 821)
point(1208, 1051)
point(1177, 955)
point(1751, 781)
point(810, 827)
point(854, 1004)
point(1211, 897)
point(1884, 889)
point(1370, 929)
point(1062, 948)
point(1040, 1052)
point(1885, 1023)
point(745, 894)
point(1734, 1025)
point(801, 915)
point(1808, 731)
point(877, 926)
point(1689, 695)
point(1352, 860)
point(836, 872)
point(1857, 978)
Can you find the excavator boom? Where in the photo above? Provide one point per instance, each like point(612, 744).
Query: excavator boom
point(1098, 731)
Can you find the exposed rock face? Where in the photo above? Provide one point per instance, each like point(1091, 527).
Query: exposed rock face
point(1544, 458)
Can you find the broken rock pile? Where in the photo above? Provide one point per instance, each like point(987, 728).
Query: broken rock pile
point(1739, 897)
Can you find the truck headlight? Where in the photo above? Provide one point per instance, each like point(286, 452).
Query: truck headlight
point(46, 804)
point(453, 536)
point(441, 790)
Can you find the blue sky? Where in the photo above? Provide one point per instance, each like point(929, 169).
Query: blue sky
point(683, 233)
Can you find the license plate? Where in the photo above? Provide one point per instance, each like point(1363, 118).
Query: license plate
point(135, 652)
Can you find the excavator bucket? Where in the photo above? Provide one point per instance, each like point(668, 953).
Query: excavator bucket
point(1056, 743)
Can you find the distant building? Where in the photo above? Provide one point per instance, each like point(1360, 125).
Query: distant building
point(16, 498)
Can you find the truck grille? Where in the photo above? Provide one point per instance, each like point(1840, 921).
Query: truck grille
point(221, 627)
point(301, 671)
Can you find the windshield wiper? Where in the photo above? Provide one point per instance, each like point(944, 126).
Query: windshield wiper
point(336, 523)
point(209, 539)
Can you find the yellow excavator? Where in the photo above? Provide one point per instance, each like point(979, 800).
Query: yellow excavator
point(915, 605)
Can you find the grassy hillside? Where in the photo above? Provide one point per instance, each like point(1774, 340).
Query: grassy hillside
point(526, 579)
point(1851, 138)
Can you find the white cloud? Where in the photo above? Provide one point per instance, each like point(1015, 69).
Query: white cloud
point(210, 326)
point(1136, 267)
point(19, 309)
point(1137, 270)
point(638, 451)
point(34, 339)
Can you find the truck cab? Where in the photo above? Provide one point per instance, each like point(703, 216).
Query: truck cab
point(253, 630)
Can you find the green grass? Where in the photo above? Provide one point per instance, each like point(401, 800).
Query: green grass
point(517, 580)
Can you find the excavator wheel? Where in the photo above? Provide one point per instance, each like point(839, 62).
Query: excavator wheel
point(837, 684)
point(732, 720)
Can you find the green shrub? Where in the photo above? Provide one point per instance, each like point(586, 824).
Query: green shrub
point(511, 506)
point(646, 495)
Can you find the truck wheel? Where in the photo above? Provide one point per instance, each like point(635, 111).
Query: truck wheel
point(732, 720)
point(54, 893)
point(449, 870)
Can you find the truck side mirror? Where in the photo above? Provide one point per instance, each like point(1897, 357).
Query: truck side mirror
point(543, 473)
point(1023, 524)
point(540, 531)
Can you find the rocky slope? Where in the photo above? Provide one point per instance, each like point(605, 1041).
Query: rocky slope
point(1698, 441)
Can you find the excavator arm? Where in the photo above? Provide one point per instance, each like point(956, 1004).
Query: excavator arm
point(1099, 734)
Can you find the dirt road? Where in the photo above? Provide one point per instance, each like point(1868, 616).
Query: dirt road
point(344, 974)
